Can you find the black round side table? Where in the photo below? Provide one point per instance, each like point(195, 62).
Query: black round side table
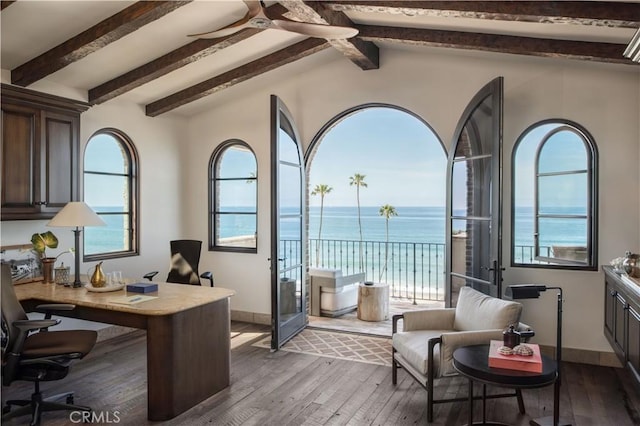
point(473, 363)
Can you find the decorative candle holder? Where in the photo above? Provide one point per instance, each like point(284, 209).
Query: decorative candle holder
point(62, 275)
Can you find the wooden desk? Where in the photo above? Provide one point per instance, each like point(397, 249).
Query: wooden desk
point(188, 336)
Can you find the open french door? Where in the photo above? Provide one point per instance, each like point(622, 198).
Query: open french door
point(288, 232)
point(474, 197)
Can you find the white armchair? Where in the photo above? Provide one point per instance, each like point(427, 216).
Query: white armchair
point(424, 348)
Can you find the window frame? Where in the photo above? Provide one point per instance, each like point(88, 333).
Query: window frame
point(213, 211)
point(134, 192)
point(591, 204)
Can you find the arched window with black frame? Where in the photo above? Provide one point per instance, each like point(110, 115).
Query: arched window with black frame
point(555, 200)
point(111, 189)
point(233, 198)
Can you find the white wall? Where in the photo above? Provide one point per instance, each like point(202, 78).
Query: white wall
point(436, 84)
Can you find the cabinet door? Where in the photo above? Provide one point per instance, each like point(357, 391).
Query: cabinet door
point(620, 331)
point(20, 160)
point(633, 339)
point(609, 308)
point(59, 161)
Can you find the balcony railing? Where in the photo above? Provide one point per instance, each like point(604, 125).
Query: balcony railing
point(414, 271)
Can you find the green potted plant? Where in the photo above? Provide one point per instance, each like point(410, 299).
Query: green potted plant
point(40, 244)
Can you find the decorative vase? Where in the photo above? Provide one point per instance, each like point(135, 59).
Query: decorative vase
point(631, 264)
point(98, 279)
point(47, 269)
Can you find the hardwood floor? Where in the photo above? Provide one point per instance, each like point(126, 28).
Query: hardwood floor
point(285, 388)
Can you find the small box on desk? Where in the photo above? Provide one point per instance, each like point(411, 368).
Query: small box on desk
point(142, 287)
point(531, 363)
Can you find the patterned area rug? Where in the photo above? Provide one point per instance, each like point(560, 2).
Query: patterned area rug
point(331, 344)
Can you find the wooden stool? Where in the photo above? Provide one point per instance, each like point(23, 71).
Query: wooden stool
point(373, 302)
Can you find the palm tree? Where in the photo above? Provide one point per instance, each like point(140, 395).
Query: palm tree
point(321, 190)
point(358, 180)
point(387, 211)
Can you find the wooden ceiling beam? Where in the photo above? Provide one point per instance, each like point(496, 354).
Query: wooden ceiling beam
point(597, 13)
point(109, 30)
point(237, 75)
point(362, 53)
point(171, 61)
point(163, 65)
point(601, 52)
point(6, 3)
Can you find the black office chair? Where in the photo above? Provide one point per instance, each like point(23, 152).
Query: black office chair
point(185, 257)
point(34, 354)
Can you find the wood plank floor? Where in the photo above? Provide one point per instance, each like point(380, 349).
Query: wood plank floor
point(285, 388)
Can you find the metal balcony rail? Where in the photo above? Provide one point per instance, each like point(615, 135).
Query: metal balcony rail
point(414, 271)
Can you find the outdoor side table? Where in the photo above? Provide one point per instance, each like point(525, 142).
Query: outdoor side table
point(373, 302)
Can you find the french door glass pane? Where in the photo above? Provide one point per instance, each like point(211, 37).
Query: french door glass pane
point(289, 189)
point(470, 183)
point(471, 243)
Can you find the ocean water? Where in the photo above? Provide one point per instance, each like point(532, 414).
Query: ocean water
point(411, 225)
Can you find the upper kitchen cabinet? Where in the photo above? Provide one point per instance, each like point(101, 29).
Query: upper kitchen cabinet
point(40, 153)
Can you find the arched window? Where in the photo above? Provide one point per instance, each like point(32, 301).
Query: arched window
point(555, 202)
point(111, 189)
point(233, 198)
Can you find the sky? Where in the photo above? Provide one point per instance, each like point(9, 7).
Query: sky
point(403, 162)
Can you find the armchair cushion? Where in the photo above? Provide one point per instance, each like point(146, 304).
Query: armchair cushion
point(477, 311)
point(428, 319)
point(413, 346)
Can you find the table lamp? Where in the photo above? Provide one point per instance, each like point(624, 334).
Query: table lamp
point(532, 291)
point(76, 214)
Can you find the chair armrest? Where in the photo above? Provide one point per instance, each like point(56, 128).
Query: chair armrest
point(50, 308)
point(207, 276)
point(30, 325)
point(456, 339)
point(56, 307)
point(429, 319)
point(150, 275)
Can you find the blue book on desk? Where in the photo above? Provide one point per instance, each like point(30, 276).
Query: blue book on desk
point(142, 287)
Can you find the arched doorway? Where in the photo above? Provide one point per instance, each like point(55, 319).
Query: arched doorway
point(377, 195)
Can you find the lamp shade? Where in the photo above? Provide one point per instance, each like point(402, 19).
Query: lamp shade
point(525, 291)
point(76, 214)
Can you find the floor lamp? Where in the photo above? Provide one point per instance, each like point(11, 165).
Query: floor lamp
point(532, 291)
point(76, 214)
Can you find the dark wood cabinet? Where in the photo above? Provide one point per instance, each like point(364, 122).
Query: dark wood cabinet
point(622, 319)
point(40, 153)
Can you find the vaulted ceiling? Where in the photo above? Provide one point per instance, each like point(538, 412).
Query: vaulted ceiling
point(141, 51)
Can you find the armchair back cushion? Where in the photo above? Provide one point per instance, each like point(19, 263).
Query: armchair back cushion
point(477, 311)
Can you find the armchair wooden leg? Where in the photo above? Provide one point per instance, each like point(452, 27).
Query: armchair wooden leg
point(520, 401)
point(394, 370)
point(430, 400)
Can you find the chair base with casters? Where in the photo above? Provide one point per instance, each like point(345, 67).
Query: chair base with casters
point(38, 405)
point(424, 348)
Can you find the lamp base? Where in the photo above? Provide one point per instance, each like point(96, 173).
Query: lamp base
point(548, 421)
